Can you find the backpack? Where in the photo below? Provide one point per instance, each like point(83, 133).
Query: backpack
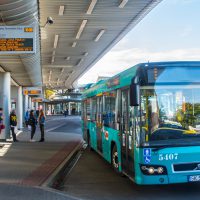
point(31, 121)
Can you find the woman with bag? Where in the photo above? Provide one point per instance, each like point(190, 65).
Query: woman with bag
point(32, 122)
point(41, 123)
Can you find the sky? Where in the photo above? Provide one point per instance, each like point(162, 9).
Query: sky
point(170, 32)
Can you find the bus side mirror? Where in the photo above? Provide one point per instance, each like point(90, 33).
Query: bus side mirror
point(134, 95)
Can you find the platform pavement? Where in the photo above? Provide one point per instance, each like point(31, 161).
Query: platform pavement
point(26, 165)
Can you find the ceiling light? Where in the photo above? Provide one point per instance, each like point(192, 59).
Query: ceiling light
point(85, 54)
point(61, 10)
point(55, 41)
point(82, 26)
point(67, 58)
point(53, 59)
point(74, 44)
point(101, 32)
point(91, 7)
point(50, 75)
point(123, 3)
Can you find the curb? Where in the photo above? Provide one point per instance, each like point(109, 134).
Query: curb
point(58, 172)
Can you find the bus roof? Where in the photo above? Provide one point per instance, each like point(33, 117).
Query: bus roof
point(124, 78)
point(172, 64)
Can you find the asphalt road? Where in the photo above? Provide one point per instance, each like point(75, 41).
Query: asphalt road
point(69, 124)
point(57, 129)
point(93, 178)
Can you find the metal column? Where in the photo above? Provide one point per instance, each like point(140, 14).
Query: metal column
point(30, 103)
point(5, 102)
point(20, 108)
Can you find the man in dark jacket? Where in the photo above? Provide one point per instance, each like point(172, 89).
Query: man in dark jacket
point(13, 124)
point(32, 122)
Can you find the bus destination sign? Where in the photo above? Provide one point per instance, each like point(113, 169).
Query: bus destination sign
point(17, 39)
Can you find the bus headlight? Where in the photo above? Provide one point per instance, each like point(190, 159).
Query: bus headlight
point(160, 170)
point(153, 169)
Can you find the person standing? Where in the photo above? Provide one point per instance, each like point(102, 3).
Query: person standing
point(65, 113)
point(41, 123)
point(32, 123)
point(13, 124)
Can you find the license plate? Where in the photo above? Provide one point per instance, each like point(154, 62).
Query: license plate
point(194, 178)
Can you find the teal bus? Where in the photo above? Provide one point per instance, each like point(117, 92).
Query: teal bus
point(145, 121)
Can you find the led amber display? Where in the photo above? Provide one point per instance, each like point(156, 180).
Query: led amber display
point(28, 29)
point(16, 44)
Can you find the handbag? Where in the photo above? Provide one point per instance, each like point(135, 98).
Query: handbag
point(2, 126)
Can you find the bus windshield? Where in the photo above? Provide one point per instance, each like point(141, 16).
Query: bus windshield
point(170, 115)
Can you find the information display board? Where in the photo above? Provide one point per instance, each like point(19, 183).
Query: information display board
point(17, 39)
point(32, 91)
point(37, 100)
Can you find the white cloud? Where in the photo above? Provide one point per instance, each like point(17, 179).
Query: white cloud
point(117, 61)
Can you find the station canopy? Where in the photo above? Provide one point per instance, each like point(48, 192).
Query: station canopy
point(71, 36)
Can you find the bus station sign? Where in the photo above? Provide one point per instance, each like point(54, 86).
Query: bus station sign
point(37, 100)
point(17, 39)
point(32, 91)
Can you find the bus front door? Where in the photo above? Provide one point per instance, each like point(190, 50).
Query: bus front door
point(127, 135)
point(99, 123)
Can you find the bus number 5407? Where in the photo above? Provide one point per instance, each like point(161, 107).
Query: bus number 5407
point(170, 156)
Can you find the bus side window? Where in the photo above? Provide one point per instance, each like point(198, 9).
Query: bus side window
point(88, 109)
point(94, 109)
point(99, 110)
point(109, 109)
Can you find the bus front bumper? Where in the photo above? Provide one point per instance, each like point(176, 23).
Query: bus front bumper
point(167, 179)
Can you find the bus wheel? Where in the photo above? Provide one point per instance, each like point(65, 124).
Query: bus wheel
point(115, 160)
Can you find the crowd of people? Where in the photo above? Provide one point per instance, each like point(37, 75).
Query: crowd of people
point(32, 119)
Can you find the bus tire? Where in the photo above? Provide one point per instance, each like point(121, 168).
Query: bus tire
point(115, 159)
